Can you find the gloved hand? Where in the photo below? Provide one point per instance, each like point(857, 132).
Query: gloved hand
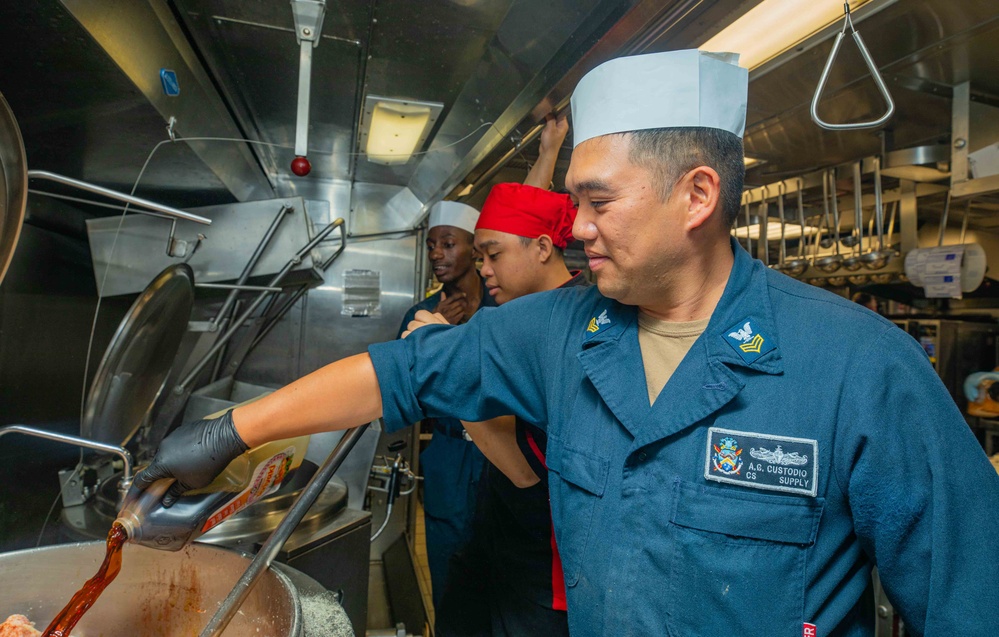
point(194, 454)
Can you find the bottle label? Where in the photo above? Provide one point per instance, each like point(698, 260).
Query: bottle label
point(267, 477)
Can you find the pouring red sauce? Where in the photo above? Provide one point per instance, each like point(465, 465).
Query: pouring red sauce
point(86, 596)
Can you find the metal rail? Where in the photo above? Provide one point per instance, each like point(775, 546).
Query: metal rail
point(126, 457)
point(184, 384)
point(120, 196)
point(248, 269)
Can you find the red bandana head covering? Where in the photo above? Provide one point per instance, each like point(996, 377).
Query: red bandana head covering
point(529, 212)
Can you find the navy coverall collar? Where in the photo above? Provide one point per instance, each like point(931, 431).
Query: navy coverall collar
point(709, 376)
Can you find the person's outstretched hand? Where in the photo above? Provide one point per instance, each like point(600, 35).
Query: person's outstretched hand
point(193, 454)
point(422, 319)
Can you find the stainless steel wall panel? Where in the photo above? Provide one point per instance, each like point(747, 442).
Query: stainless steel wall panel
point(81, 116)
point(140, 249)
point(335, 193)
point(377, 208)
point(142, 37)
point(536, 44)
point(252, 50)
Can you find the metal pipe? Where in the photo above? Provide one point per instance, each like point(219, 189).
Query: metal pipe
point(252, 263)
point(835, 204)
point(531, 135)
point(762, 219)
point(943, 220)
point(219, 344)
point(120, 196)
point(126, 457)
point(290, 303)
point(273, 321)
point(780, 212)
point(263, 559)
point(237, 287)
point(749, 239)
point(879, 214)
point(858, 201)
point(964, 223)
point(304, 91)
point(801, 222)
point(891, 221)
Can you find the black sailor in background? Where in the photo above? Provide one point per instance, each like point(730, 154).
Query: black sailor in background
point(451, 463)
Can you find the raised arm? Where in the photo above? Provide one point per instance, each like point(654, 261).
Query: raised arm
point(552, 137)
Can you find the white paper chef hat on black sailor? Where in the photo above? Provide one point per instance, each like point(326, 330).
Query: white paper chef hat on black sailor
point(675, 89)
point(452, 213)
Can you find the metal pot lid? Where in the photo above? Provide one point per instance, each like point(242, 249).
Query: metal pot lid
point(141, 353)
point(13, 185)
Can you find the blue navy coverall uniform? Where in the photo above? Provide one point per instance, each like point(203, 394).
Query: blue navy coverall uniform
point(801, 440)
point(451, 469)
point(507, 581)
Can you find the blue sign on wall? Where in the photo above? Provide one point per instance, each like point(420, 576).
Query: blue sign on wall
point(171, 86)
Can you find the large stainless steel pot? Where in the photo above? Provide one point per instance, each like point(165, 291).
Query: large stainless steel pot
point(13, 185)
point(156, 594)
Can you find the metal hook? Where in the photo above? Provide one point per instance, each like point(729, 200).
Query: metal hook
point(871, 66)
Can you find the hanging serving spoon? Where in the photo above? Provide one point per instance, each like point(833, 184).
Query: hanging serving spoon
point(853, 262)
point(878, 259)
point(782, 250)
point(831, 262)
point(797, 266)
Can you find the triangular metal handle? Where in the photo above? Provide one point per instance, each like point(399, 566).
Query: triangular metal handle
point(871, 66)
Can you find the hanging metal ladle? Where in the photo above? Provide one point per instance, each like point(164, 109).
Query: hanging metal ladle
point(831, 262)
point(853, 262)
point(797, 266)
point(878, 259)
point(782, 252)
point(761, 223)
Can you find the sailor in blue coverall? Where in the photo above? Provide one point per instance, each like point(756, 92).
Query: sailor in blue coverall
point(451, 464)
point(800, 441)
point(655, 534)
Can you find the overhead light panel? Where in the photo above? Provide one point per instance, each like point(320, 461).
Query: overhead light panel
point(393, 129)
point(750, 162)
point(775, 26)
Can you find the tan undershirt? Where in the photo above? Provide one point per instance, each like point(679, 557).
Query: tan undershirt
point(664, 344)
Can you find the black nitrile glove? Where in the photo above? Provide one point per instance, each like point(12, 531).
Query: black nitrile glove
point(194, 454)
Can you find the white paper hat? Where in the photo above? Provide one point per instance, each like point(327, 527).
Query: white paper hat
point(452, 213)
point(676, 89)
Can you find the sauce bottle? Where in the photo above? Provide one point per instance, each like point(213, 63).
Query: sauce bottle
point(251, 476)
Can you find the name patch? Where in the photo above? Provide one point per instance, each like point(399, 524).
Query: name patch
point(762, 461)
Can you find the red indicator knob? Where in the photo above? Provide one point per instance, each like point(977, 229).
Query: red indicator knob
point(301, 166)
